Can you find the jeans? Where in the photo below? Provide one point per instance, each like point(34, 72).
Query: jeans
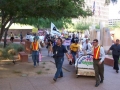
point(74, 54)
point(116, 64)
point(59, 63)
point(35, 57)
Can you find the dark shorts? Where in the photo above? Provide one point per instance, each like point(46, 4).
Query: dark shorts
point(12, 38)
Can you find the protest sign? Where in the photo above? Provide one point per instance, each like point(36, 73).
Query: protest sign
point(85, 62)
point(67, 42)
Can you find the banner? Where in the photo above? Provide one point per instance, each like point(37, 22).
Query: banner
point(67, 42)
point(35, 30)
point(54, 30)
point(85, 62)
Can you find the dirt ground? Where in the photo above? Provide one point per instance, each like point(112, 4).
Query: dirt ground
point(23, 69)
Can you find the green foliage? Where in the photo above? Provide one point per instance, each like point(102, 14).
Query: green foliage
point(45, 23)
point(17, 47)
point(82, 26)
point(10, 50)
point(97, 26)
point(107, 2)
point(1, 52)
point(47, 69)
point(12, 11)
point(39, 72)
point(43, 63)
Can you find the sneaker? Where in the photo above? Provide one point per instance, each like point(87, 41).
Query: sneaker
point(70, 63)
point(117, 71)
point(101, 81)
point(60, 76)
point(97, 84)
point(54, 79)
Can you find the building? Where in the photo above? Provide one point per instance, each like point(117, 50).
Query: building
point(101, 12)
point(112, 22)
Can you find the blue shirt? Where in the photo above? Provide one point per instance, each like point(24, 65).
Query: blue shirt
point(59, 51)
point(115, 49)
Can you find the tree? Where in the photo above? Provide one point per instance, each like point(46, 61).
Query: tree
point(82, 26)
point(12, 10)
point(107, 2)
point(42, 23)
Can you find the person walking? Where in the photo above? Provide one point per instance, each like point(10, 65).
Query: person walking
point(74, 49)
point(87, 46)
point(115, 53)
point(35, 46)
point(58, 55)
point(74, 39)
point(98, 62)
point(21, 37)
point(11, 37)
point(49, 47)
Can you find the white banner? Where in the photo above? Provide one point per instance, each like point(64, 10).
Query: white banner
point(85, 62)
point(54, 30)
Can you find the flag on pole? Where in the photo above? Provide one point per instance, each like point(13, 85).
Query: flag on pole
point(54, 30)
point(93, 7)
point(99, 11)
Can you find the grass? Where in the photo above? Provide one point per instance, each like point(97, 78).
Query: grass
point(16, 71)
point(47, 69)
point(43, 63)
point(39, 72)
point(43, 66)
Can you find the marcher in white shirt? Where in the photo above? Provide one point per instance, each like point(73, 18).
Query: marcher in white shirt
point(87, 46)
point(27, 36)
point(84, 39)
point(98, 62)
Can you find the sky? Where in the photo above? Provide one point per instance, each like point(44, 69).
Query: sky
point(113, 11)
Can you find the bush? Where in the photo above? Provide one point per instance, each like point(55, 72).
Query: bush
point(1, 45)
point(17, 47)
point(11, 50)
point(1, 52)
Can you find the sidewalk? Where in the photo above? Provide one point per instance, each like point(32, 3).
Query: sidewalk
point(68, 82)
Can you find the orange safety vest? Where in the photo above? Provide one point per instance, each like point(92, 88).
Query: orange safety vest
point(35, 46)
point(96, 53)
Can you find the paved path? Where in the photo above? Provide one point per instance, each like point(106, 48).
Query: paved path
point(68, 82)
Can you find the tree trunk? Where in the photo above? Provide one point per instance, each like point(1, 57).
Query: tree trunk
point(5, 38)
point(1, 33)
point(6, 30)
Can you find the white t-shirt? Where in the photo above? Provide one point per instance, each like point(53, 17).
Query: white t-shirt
point(31, 38)
point(27, 36)
point(85, 45)
point(84, 40)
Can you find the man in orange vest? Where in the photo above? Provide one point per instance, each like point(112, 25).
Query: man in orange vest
point(35, 46)
point(98, 62)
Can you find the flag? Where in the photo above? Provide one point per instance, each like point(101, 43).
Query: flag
point(93, 7)
point(99, 11)
point(54, 30)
